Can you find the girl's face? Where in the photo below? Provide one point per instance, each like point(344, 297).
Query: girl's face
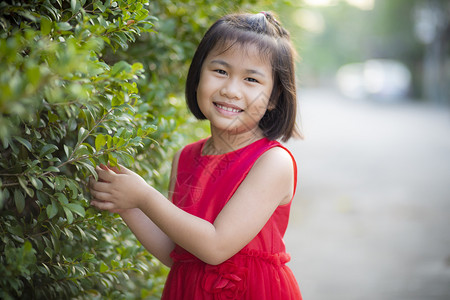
point(234, 89)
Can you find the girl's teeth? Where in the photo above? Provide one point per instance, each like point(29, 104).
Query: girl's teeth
point(228, 108)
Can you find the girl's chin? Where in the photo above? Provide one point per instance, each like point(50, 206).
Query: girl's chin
point(233, 128)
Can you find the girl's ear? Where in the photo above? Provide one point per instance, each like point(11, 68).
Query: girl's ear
point(271, 106)
point(274, 98)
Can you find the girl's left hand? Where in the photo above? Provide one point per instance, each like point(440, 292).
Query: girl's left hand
point(116, 189)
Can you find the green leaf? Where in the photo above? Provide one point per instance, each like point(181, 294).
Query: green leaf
point(33, 74)
point(114, 264)
point(46, 25)
point(44, 269)
point(17, 230)
point(42, 197)
point(103, 267)
point(24, 142)
point(4, 194)
point(76, 208)
point(117, 101)
point(119, 67)
point(19, 200)
point(120, 142)
point(109, 140)
point(52, 118)
point(49, 252)
point(52, 169)
point(151, 129)
point(13, 147)
point(127, 159)
point(63, 26)
point(69, 214)
point(136, 67)
point(68, 233)
point(22, 181)
point(71, 124)
point(73, 6)
point(73, 186)
point(82, 150)
point(87, 256)
point(100, 141)
point(60, 183)
point(82, 134)
point(62, 198)
point(112, 160)
point(68, 151)
point(24, 184)
point(103, 159)
point(52, 210)
point(90, 168)
point(27, 15)
point(47, 149)
point(82, 233)
point(56, 231)
point(27, 247)
point(36, 182)
point(100, 6)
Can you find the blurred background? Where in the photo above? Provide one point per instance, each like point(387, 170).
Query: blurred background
point(371, 217)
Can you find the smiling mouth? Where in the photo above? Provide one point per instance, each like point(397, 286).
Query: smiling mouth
point(227, 108)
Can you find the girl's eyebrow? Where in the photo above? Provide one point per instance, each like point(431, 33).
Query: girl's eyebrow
point(227, 65)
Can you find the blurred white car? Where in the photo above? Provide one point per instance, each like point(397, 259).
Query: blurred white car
point(376, 78)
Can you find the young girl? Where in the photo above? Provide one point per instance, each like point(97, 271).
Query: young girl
point(221, 230)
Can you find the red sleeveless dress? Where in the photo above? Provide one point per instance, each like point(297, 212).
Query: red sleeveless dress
point(204, 185)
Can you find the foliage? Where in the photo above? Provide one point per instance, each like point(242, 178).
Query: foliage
point(85, 82)
point(64, 110)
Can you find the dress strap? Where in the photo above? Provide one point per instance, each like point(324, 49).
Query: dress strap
point(294, 165)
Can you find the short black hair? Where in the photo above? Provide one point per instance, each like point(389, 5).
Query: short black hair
point(273, 41)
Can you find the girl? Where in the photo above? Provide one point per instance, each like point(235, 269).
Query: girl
point(221, 230)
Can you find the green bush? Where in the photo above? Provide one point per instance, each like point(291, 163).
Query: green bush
point(82, 83)
point(64, 110)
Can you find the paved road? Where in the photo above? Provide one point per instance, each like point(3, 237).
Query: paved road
point(371, 219)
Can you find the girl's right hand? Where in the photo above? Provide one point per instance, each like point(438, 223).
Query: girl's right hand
point(119, 211)
point(118, 188)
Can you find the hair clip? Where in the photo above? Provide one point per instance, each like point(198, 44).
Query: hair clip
point(267, 16)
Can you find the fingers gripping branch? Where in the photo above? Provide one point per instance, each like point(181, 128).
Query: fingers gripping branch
point(116, 188)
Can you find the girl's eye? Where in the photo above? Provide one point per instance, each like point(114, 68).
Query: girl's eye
point(222, 72)
point(252, 79)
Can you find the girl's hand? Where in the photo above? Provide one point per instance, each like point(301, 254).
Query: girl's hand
point(117, 189)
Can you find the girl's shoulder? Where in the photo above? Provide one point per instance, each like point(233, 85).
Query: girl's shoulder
point(277, 152)
point(277, 157)
point(280, 163)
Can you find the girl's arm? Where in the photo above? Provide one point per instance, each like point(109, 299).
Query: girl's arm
point(151, 237)
point(269, 183)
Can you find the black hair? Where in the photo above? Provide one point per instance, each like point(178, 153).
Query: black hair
point(273, 41)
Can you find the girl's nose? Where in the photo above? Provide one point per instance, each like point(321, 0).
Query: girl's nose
point(231, 90)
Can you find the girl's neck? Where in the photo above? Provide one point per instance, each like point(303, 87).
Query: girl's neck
point(224, 142)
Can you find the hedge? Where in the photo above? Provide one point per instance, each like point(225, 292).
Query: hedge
point(84, 82)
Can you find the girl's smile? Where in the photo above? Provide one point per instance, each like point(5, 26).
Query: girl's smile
point(228, 109)
point(234, 89)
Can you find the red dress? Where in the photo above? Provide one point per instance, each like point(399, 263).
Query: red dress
point(204, 185)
